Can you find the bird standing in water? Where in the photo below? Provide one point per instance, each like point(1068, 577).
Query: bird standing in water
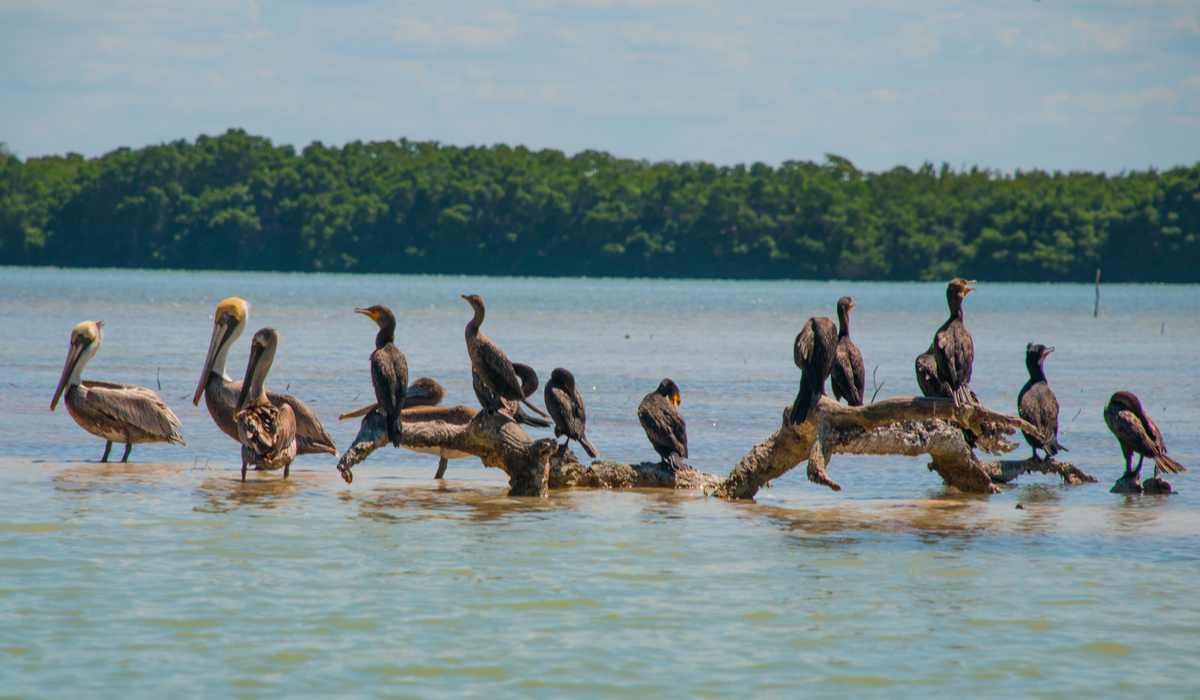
point(953, 349)
point(267, 432)
point(848, 376)
point(1137, 433)
point(220, 392)
point(491, 364)
point(565, 406)
point(1038, 405)
point(813, 352)
point(389, 370)
point(665, 428)
point(115, 412)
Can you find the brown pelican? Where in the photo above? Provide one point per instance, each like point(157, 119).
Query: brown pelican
point(220, 392)
point(512, 409)
point(389, 370)
point(566, 408)
point(1137, 433)
point(1037, 404)
point(848, 375)
point(665, 428)
point(267, 432)
point(953, 349)
point(490, 362)
point(813, 352)
point(115, 412)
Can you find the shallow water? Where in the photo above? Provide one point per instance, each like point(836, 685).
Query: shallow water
point(167, 575)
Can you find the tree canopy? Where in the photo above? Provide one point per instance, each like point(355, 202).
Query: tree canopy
point(239, 202)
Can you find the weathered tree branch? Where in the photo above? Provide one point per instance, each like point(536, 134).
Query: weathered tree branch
point(567, 472)
point(1008, 470)
point(492, 437)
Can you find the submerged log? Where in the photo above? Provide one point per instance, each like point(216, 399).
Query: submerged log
point(567, 472)
point(1005, 471)
point(902, 426)
point(492, 437)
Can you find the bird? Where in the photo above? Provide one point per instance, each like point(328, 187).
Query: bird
point(1037, 404)
point(512, 409)
point(952, 348)
point(490, 362)
point(389, 370)
point(665, 428)
point(565, 406)
point(848, 376)
point(813, 352)
point(220, 392)
point(267, 432)
point(423, 391)
point(116, 412)
point(1137, 433)
point(927, 379)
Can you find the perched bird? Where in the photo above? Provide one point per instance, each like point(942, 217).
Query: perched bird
point(952, 347)
point(490, 362)
point(512, 409)
point(1038, 405)
point(927, 378)
point(115, 412)
point(813, 352)
point(848, 376)
point(566, 408)
point(665, 428)
point(267, 432)
point(220, 392)
point(389, 370)
point(1137, 433)
point(423, 391)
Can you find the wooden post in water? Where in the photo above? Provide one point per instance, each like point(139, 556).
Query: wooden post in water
point(1096, 311)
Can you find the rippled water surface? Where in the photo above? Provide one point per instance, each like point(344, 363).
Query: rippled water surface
point(167, 577)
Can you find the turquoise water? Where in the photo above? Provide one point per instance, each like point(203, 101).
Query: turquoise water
point(169, 577)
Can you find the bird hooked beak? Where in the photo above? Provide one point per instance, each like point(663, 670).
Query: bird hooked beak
point(968, 290)
point(852, 302)
point(675, 399)
point(79, 345)
point(256, 353)
point(373, 315)
point(223, 330)
point(1046, 352)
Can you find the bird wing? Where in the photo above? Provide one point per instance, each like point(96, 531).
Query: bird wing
point(847, 374)
point(1153, 433)
point(664, 426)
point(803, 347)
point(498, 362)
point(1038, 405)
point(947, 361)
point(558, 408)
point(1128, 428)
point(577, 410)
point(389, 376)
point(135, 406)
point(310, 434)
point(285, 430)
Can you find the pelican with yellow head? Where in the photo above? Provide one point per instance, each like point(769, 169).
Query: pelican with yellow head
point(109, 410)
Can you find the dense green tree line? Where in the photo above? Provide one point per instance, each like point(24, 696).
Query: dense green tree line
point(239, 202)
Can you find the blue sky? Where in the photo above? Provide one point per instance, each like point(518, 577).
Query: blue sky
point(1022, 84)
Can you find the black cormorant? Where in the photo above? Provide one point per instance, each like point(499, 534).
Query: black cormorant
point(664, 427)
point(565, 406)
point(512, 409)
point(1137, 433)
point(813, 352)
point(848, 377)
point(1038, 405)
point(389, 370)
point(952, 347)
point(490, 362)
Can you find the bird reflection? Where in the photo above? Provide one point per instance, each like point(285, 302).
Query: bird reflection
point(223, 495)
point(455, 502)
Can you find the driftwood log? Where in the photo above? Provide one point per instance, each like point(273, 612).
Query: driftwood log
point(903, 426)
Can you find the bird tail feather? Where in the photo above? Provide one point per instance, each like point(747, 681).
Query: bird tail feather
point(589, 447)
point(1168, 465)
point(535, 409)
point(394, 429)
point(803, 398)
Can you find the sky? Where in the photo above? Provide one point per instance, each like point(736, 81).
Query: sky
point(1007, 85)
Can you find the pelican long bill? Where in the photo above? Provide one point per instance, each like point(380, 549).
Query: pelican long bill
point(78, 347)
point(222, 330)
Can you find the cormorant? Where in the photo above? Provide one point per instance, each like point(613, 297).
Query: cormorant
point(389, 370)
point(927, 379)
point(813, 352)
point(848, 376)
point(512, 409)
point(490, 362)
point(952, 347)
point(565, 406)
point(267, 432)
point(1037, 404)
point(664, 427)
point(115, 412)
point(1137, 433)
point(423, 391)
point(220, 392)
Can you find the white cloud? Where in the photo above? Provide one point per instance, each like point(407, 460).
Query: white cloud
point(1008, 36)
point(1108, 37)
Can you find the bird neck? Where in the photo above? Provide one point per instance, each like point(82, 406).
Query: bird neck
point(76, 377)
point(956, 310)
point(474, 323)
point(1036, 372)
point(843, 323)
point(386, 335)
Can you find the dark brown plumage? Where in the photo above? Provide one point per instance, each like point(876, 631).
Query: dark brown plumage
point(953, 349)
point(665, 428)
point(1037, 404)
point(813, 352)
point(491, 364)
point(848, 376)
point(927, 379)
point(389, 370)
point(1137, 433)
point(512, 409)
point(565, 406)
point(267, 432)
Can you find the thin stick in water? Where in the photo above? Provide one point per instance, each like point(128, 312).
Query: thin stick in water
point(1096, 311)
